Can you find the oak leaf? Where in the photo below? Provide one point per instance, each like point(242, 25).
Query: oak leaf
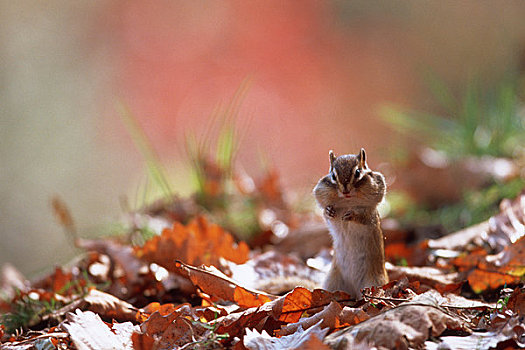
point(88, 331)
point(215, 283)
point(300, 339)
point(407, 325)
point(199, 242)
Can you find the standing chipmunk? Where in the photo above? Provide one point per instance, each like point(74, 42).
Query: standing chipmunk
point(349, 196)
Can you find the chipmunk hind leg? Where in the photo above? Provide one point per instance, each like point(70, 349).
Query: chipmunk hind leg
point(334, 281)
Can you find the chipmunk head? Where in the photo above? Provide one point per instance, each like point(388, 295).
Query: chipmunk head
point(347, 171)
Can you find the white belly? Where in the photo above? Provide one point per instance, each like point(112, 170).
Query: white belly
point(352, 261)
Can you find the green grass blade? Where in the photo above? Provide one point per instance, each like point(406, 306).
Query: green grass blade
point(142, 143)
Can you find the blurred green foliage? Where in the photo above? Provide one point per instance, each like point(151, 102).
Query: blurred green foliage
point(476, 206)
point(478, 124)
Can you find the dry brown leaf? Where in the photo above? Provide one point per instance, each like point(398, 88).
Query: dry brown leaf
point(142, 341)
point(516, 301)
point(103, 304)
point(414, 254)
point(163, 309)
point(119, 254)
point(511, 329)
point(200, 242)
point(276, 273)
point(459, 240)
point(43, 341)
point(440, 279)
point(236, 323)
point(333, 317)
point(503, 233)
point(508, 226)
point(285, 309)
point(254, 340)
point(178, 333)
point(216, 284)
point(88, 331)
point(407, 325)
point(302, 300)
point(327, 318)
point(486, 272)
point(159, 321)
point(180, 327)
point(60, 281)
point(351, 316)
point(109, 306)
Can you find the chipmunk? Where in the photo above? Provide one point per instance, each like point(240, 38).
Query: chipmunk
point(349, 196)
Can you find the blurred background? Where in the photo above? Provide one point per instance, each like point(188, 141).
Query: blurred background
point(313, 75)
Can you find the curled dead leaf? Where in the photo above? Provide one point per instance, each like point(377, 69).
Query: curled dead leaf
point(407, 325)
point(88, 331)
point(301, 339)
point(216, 284)
point(302, 300)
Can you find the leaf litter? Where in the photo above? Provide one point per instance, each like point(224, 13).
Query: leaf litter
point(195, 285)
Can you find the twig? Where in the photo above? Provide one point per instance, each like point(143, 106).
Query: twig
point(441, 305)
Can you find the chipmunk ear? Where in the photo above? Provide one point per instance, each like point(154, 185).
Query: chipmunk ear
point(332, 159)
point(362, 159)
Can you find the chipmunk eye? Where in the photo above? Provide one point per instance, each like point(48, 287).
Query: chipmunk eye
point(357, 173)
point(332, 178)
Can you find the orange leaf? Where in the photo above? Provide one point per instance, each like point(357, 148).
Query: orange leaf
point(493, 271)
point(215, 283)
point(302, 300)
point(481, 280)
point(200, 242)
point(142, 341)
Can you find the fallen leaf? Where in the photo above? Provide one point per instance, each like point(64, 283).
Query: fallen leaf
point(180, 327)
point(109, 306)
point(332, 317)
point(178, 333)
point(498, 232)
point(87, 331)
point(101, 303)
point(200, 242)
point(43, 341)
point(459, 240)
point(327, 318)
point(516, 301)
point(440, 279)
point(512, 329)
point(236, 323)
point(508, 226)
point(215, 283)
point(120, 255)
point(276, 273)
point(254, 340)
point(158, 322)
point(410, 254)
point(302, 300)
point(142, 341)
point(488, 272)
point(407, 325)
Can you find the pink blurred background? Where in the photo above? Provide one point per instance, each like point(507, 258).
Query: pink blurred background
point(318, 72)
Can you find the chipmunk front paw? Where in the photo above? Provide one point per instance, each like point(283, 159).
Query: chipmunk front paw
point(329, 212)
